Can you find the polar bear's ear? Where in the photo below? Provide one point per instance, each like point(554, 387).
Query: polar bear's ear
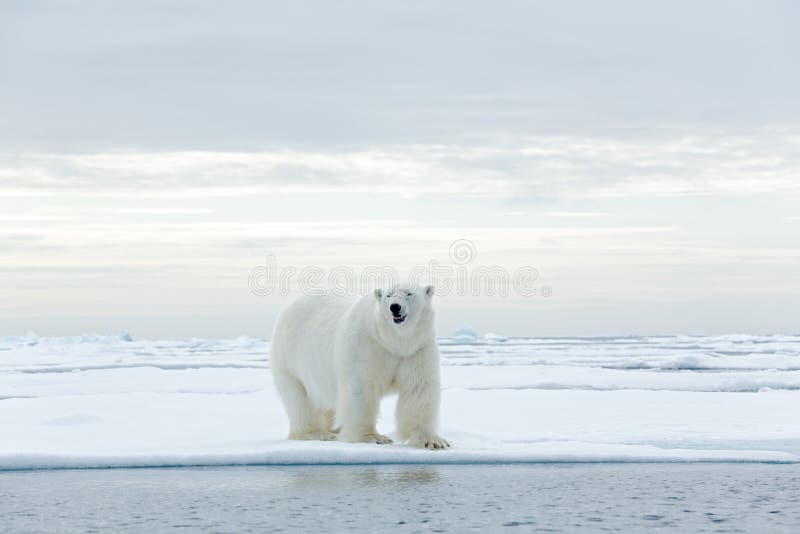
point(429, 291)
point(378, 295)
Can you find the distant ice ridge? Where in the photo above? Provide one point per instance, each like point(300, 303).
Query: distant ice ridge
point(31, 338)
point(111, 401)
point(467, 335)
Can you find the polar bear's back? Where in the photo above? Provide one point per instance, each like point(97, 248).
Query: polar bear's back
point(303, 343)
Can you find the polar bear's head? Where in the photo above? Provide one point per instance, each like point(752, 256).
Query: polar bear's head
point(404, 307)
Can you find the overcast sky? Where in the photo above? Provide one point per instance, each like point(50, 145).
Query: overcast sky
point(644, 158)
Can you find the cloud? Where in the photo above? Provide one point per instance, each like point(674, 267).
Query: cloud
point(91, 76)
point(523, 169)
point(579, 214)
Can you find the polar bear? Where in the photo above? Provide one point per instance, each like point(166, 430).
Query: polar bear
point(333, 358)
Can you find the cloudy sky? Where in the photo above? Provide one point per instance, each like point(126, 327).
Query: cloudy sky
point(644, 158)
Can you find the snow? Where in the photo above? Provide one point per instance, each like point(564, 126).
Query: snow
point(110, 401)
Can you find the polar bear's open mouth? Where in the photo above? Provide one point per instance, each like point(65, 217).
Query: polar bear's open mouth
point(398, 319)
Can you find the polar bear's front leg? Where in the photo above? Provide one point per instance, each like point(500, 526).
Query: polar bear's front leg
point(418, 414)
point(357, 412)
point(418, 402)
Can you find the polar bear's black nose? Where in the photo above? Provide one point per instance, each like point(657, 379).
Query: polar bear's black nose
point(395, 309)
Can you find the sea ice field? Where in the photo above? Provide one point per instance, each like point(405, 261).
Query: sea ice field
point(110, 401)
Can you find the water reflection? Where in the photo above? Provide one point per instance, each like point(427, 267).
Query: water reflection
point(363, 476)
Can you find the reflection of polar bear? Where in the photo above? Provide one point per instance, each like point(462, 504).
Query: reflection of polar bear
point(334, 358)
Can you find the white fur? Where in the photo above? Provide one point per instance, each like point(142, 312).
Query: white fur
point(334, 358)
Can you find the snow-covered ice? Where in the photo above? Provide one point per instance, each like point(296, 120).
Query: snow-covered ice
point(102, 401)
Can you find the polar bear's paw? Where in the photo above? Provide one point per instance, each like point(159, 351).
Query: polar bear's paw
point(430, 442)
point(315, 436)
point(380, 439)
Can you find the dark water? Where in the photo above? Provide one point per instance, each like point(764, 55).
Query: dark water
point(518, 498)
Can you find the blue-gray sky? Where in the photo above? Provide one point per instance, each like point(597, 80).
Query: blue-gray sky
point(645, 158)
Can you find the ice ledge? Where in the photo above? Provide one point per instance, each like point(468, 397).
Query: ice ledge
point(321, 453)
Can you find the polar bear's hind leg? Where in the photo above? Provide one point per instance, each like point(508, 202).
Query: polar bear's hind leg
point(305, 421)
